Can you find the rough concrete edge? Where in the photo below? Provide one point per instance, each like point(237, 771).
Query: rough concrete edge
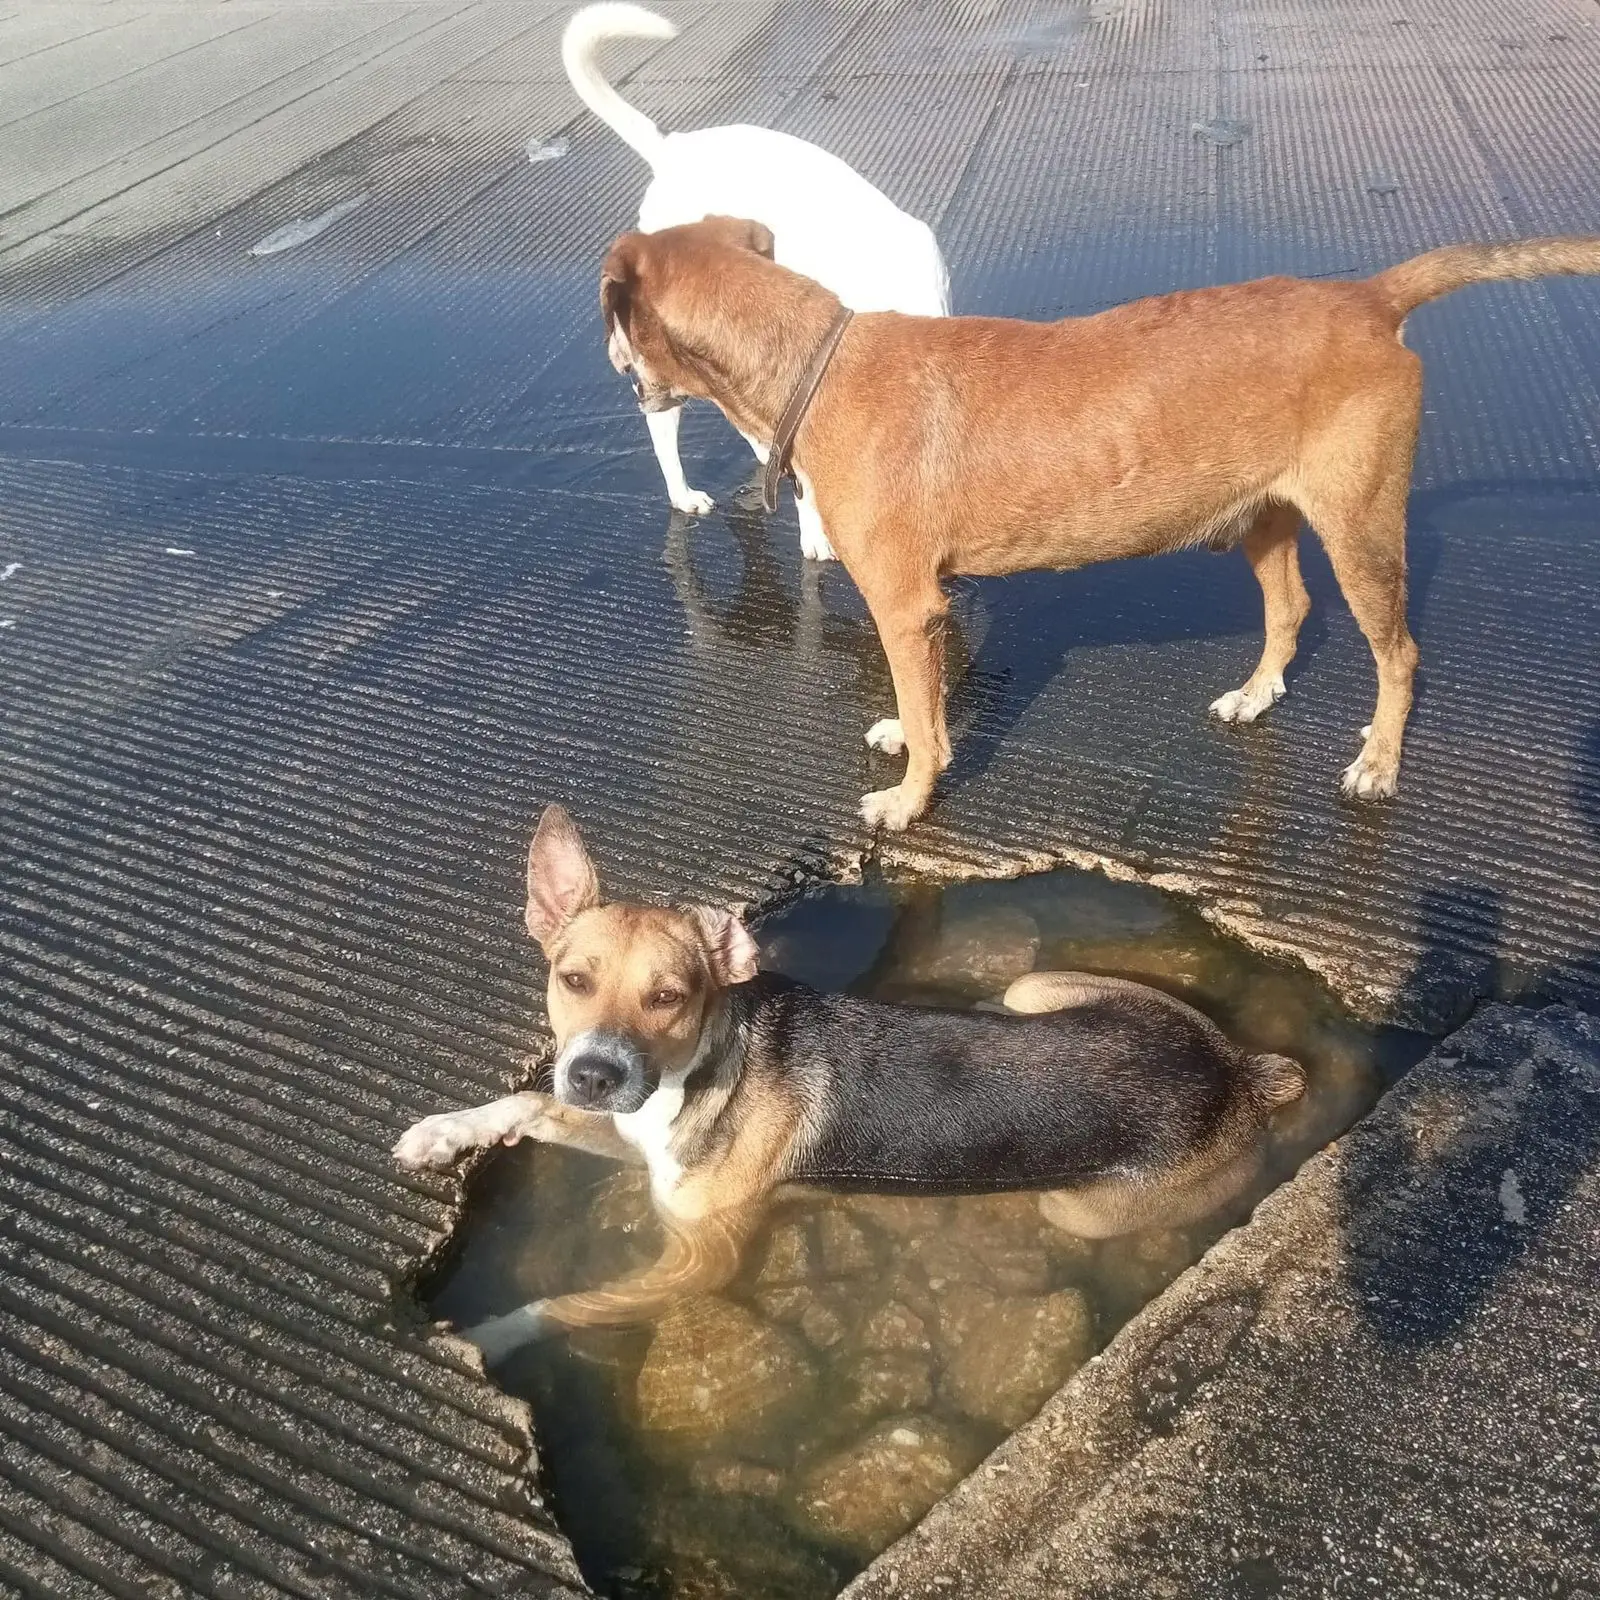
point(966, 1528)
point(1238, 917)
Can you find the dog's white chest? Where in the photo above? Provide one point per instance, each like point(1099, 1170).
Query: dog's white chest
point(649, 1131)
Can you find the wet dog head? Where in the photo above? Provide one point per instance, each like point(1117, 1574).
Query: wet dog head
point(654, 282)
point(632, 987)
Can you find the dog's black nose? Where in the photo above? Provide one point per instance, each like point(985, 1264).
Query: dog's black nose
point(591, 1078)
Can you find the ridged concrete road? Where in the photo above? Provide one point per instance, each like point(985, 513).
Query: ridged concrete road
point(325, 569)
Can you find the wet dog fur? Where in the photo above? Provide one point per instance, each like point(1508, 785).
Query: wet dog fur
point(1123, 1107)
point(985, 445)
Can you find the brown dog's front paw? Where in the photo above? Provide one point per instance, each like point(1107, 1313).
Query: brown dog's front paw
point(1373, 775)
point(887, 736)
point(893, 810)
point(1246, 704)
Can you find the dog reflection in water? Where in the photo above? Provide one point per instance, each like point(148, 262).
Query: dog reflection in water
point(1123, 1107)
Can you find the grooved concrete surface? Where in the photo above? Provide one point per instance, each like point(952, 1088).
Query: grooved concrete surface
point(324, 570)
point(1387, 1383)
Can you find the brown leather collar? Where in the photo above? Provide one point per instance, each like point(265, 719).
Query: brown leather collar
point(799, 403)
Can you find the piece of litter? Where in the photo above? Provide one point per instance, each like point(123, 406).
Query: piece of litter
point(274, 594)
point(175, 550)
point(1381, 183)
point(8, 569)
point(304, 229)
point(546, 149)
point(8, 622)
point(1511, 1201)
point(1222, 131)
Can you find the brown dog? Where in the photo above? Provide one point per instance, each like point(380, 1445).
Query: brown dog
point(1123, 1107)
point(981, 445)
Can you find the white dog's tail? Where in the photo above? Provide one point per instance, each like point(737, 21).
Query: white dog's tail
point(588, 30)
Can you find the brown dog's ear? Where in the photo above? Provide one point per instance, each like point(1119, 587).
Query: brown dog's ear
point(731, 951)
point(561, 877)
point(742, 234)
point(617, 273)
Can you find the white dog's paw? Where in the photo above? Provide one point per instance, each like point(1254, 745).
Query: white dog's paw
point(887, 736)
point(814, 545)
point(893, 810)
point(436, 1141)
point(1246, 704)
point(695, 502)
point(1371, 776)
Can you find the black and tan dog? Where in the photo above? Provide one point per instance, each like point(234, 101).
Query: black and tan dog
point(1123, 1106)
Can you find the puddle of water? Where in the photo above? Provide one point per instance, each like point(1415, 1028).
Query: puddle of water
point(769, 1441)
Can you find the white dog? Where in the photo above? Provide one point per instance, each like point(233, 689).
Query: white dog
point(827, 221)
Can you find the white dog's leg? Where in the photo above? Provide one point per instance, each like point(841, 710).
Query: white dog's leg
point(663, 426)
point(814, 544)
point(762, 452)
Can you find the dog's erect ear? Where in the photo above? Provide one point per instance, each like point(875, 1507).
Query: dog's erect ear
point(730, 949)
point(741, 233)
point(617, 274)
point(561, 877)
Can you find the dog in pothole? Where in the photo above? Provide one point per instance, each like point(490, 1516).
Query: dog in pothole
point(1122, 1106)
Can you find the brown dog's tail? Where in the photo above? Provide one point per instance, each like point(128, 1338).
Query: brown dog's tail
point(1440, 272)
point(1275, 1080)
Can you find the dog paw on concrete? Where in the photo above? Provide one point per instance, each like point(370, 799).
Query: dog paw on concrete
point(436, 1141)
point(1374, 774)
point(887, 736)
point(693, 502)
point(1246, 704)
point(893, 810)
point(814, 545)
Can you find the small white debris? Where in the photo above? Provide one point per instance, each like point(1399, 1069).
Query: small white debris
point(274, 594)
point(178, 550)
point(1380, 183)
point(1511, 1201)
point(546, 149)
point(8, 622)
point(304, 229)
point(9, 568)
point(905, 1436)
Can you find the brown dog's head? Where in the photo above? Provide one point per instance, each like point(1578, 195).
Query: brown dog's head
point(631, 987)
point(653, 282)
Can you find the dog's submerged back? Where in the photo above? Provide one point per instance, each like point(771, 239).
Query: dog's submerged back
point(1122, 1082)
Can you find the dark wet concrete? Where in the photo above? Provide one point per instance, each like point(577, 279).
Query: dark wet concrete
point(266, 800)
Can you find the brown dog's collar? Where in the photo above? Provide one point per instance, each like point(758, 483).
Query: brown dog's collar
point(799, 403)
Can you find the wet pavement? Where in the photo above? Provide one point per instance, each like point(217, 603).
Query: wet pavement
point(325, 568)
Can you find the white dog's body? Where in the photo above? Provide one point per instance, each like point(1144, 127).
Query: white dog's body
point(826, 220)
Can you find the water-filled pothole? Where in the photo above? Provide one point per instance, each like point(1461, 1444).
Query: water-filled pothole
point(769, 1441)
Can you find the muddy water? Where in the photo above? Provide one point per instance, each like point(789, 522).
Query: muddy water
point(765, 1444)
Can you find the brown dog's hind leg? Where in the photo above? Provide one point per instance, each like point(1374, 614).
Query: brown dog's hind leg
point(911, 625)
point(1367, 551)
point(1272, 547)
point(1352, 486)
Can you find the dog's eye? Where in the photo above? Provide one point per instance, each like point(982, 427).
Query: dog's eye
point(577, 982)
point(663, 998)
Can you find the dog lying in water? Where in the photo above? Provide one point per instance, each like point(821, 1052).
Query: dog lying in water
point(1124, 1107)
